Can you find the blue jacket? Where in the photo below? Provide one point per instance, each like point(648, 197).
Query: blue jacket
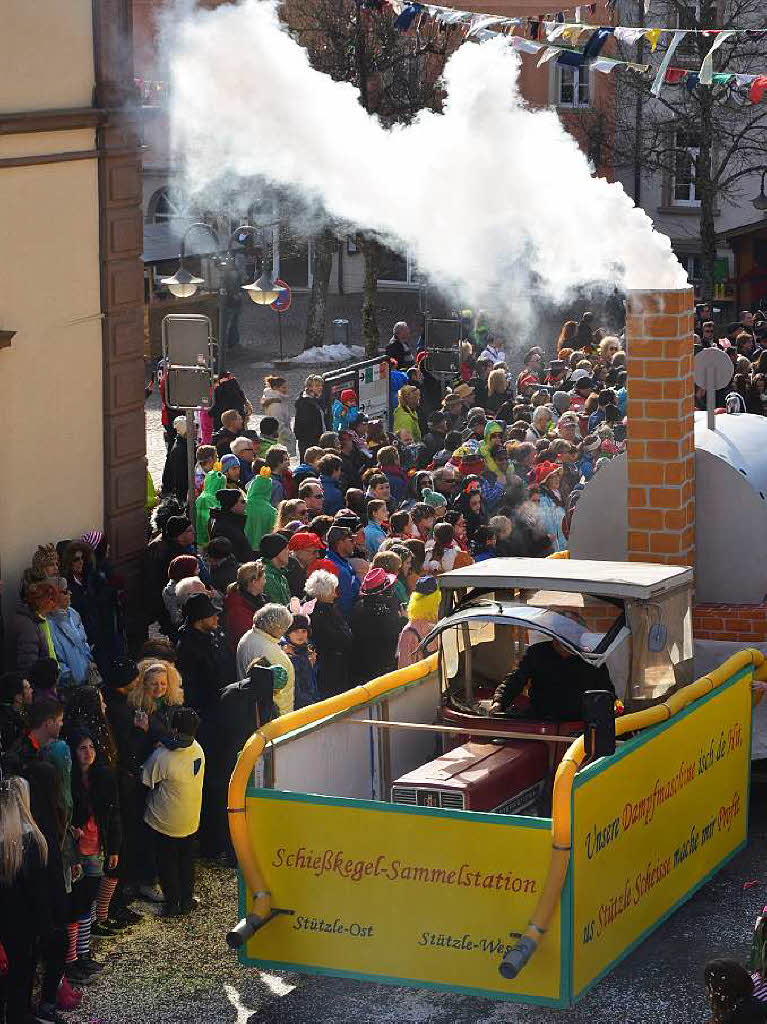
point(551, 515)
point(597, 417)
point(70, 643)
point(348, 584)
point(343, 418)
point(305, 689)
point(374, 538)
point(333, 499)
point(246, 472)
point(278, 491)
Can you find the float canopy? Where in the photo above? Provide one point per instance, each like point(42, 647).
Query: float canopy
point(639, 581)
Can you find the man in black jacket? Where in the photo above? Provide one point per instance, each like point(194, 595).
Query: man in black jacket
point(310, 417)
point(227, 394)
point(176, 539)
point(229, 521)
point(175, 474)
point(556, 679)
point(204, 658)
point(242, 707)
point(434, 439)
point(398, 347)
point(231, 428)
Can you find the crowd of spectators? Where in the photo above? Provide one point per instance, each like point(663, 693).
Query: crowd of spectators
point(310, 565)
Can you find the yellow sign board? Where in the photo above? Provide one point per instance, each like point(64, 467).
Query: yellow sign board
point(404, 894)
point(653, 822)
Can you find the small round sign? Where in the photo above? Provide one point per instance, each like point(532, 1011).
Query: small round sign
point(282, 303)
point(713, 369)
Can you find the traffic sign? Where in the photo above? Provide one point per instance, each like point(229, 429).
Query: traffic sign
point(283, 300)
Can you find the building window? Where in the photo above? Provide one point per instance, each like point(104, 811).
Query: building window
point(684, 188)
point(573, 87)
point(294, 259)
point(398, 269)
point(694, 267)
point(166, 204)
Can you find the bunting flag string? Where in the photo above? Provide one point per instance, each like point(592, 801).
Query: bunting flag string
point(574, 43)
point(555, 26)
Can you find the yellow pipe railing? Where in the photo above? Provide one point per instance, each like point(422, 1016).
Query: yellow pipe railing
point(561, 812)
point(254, 748)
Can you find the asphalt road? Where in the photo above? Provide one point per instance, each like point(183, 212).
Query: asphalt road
point(181, 971)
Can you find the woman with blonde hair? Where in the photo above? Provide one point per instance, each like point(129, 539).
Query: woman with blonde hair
point(288, 511)
point(608, 347)
point(157, 691)
point(498, 391)
point(23, 897)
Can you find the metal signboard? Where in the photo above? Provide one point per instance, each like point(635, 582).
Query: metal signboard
point(442, 340)
point(187, 347)
point(370, 382)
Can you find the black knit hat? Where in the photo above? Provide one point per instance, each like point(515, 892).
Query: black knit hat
point(198, 606)
point(121, 673)
point(271, 544)
point(228, 498)
point(299, 622)
point(177, 525)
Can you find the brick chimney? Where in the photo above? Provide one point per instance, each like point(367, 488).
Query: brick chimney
point(661, 444)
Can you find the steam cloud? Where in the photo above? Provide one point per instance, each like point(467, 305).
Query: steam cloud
point(495, 198)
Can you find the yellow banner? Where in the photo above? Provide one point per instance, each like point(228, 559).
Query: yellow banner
point(655, 824)
point(407, 894)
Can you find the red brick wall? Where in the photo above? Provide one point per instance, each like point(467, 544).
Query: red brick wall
point(661, 446)
point(744, 622)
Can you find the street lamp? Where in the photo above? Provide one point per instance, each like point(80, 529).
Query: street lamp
point(761, 200)
point(263, 291)
point(183, 284)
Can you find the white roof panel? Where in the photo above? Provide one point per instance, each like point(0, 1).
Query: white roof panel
point(638, 580)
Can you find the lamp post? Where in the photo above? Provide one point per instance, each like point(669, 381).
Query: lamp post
point(262, 290)
point(184, 284)
point(760, 203)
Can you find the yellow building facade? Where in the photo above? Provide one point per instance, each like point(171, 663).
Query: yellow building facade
point(71, 373)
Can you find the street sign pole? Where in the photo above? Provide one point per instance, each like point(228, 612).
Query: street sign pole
point(187, 346)
point(281, 305)
point(190, 462)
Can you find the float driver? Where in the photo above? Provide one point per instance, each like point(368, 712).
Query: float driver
point(556, 680)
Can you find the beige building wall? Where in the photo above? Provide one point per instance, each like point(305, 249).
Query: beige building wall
point(51, 376)
point(46, 54)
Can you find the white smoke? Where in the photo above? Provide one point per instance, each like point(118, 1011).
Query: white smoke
point(495, 199)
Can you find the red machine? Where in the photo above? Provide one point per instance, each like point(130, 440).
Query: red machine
point(508, 779)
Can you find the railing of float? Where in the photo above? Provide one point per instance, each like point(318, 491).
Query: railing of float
point(254, 748)
point(561, 813)
point(557, 886)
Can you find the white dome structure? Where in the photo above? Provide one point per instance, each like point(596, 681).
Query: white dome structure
point(730, 511)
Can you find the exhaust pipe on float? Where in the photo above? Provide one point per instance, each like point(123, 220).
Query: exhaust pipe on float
point(516, 958)
point(247, 926)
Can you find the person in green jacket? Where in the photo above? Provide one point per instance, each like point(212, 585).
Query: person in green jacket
point(213, 482)
point(406, 413)
point(260, 514)
point(274, 554)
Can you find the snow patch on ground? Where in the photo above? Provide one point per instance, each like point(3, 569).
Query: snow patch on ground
point(330, 354)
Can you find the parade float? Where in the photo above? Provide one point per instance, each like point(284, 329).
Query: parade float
point(400, 832)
